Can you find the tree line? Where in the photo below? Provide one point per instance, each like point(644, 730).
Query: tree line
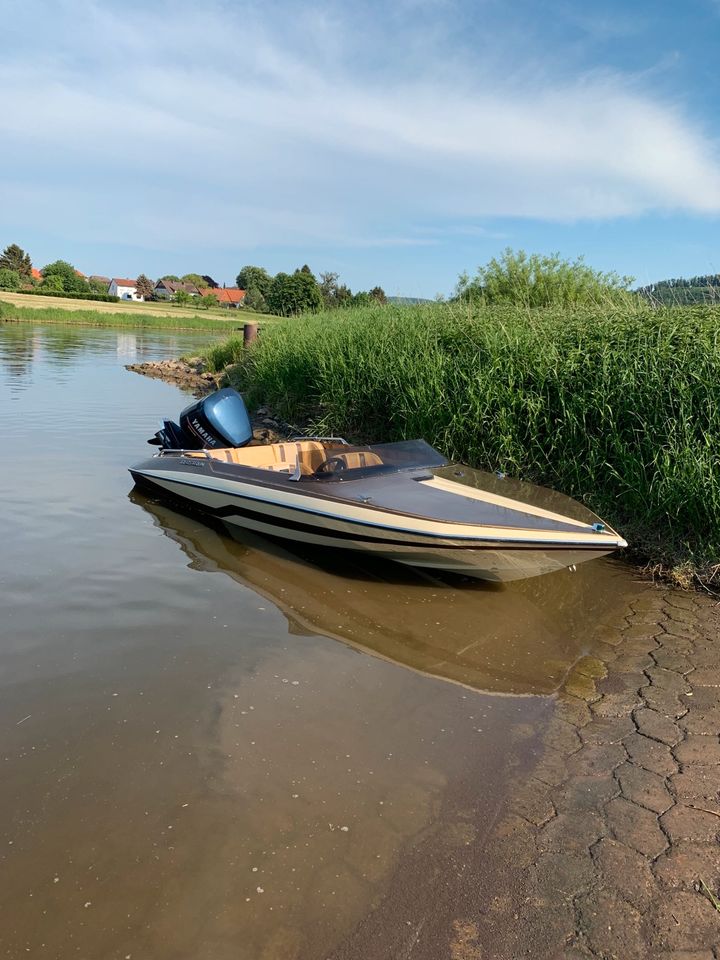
point(681, 283)
point(285, 294)
point(288, 294)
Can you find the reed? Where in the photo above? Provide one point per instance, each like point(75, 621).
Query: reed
point(615, 405)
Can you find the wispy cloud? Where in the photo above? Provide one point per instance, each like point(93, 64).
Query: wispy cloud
point(250, 124)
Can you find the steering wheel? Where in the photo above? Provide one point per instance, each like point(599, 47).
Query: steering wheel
point(331, 465)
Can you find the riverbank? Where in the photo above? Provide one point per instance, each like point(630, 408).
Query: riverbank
point(607, 846)
point(615, 408)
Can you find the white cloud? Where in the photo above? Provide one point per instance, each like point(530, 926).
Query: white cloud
point(259, 124)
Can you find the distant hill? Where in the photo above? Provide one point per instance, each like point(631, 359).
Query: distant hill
point(704, 289)
point(408, 301)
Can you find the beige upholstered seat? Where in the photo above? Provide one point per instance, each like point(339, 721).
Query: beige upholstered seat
point(283, 457)
point(280, 457)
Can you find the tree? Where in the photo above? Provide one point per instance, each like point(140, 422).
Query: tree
point(195, 278)
point(208, 301)
point(254, 300)
point(378, 294)
point(69, 279)
point(171, 276)
point(9, 279)
point(362, 299)
point(306, 269)
point(97, 286)
point(257, 277)
point(328, 288)
point(181, 298)
point(293, 294)
point(52, 283)
point(334, 294)
point(144, 287)
point(15, 258)
point(344, 296)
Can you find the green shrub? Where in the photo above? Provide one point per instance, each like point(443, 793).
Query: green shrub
point(45, 292)
point(63, 272)
point(9, 279)
point(542, 281)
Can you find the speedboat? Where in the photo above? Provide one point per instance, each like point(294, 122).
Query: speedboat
point(401, 501)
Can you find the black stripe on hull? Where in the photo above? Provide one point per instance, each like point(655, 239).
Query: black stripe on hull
point(342, 538)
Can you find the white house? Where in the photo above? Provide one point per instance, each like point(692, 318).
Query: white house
point(125, 289)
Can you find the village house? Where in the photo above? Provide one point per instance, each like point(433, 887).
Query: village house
point(166, 289)
point(230, 297)
point(125, 289)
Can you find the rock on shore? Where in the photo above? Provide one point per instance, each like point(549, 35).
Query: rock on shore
point(189, 374)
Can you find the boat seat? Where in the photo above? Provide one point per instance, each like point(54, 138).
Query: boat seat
point(279, 457)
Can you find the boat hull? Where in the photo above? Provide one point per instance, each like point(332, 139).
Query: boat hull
point(479, 557)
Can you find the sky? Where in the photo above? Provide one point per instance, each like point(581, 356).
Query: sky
point(396, 143)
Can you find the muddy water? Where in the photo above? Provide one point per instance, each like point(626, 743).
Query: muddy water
point(215, 748)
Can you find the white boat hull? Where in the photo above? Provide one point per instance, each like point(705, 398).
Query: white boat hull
point(411, 541)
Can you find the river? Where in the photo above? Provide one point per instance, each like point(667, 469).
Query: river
point(216, 747)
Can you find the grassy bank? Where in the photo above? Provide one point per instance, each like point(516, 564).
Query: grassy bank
point(87, 313)
point(616, 407)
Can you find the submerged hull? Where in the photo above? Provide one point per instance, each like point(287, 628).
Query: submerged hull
point(354, 516)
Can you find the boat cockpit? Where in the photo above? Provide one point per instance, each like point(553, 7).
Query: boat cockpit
point(323, 459)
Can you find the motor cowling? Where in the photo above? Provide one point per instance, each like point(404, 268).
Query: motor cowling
point(218, 420)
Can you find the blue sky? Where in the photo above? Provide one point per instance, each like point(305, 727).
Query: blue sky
point(397, 143)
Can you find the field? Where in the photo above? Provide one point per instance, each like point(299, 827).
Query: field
point(616, 406)
point(20, 307)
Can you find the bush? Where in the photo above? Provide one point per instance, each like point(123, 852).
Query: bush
point(43, 291)
point(52, 283)
point(9, 279)
point(539, 281)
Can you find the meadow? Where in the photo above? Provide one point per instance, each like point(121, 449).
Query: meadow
point(615, 404)
point(35, 309)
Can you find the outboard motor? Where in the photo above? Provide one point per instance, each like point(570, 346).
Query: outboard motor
point(218, 420)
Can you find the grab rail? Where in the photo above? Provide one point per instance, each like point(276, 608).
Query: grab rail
point(167, 452)
point(320, 440)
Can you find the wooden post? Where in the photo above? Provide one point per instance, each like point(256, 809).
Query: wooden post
point(250, 332)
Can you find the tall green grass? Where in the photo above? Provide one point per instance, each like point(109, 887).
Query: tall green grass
point(616, 406)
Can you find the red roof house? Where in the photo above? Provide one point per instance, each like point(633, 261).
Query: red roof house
point(226, 296)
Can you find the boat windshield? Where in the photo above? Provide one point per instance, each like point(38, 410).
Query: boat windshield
point(353, 462)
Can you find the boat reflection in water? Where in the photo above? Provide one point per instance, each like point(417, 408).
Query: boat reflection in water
point(517, 638)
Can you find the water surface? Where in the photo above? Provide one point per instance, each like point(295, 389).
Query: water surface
point(216, 747)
